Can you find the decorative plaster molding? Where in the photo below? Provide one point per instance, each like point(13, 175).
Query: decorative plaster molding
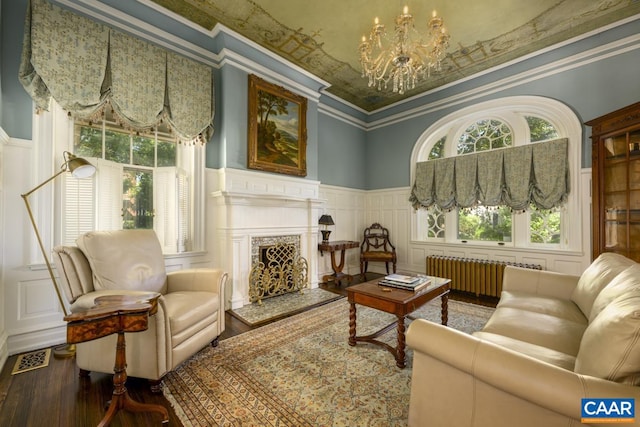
point(234, 59)
point(343, 117)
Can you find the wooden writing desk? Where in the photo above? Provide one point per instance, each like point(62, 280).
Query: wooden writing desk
point(116, 314)
point(333, 247)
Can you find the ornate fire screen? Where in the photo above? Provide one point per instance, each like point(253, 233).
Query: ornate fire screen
point(282, 270)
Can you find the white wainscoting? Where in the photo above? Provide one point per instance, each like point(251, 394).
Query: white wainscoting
point(353, 210)
point(347, 207)
point(31, 316)
point(31, 319)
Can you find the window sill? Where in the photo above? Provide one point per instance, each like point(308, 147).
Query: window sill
point(499, 248)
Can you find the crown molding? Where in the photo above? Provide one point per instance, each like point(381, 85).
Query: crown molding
point(234, 59)
point(343, 117)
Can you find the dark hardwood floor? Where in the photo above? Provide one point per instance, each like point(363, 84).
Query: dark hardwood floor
point(57, 396)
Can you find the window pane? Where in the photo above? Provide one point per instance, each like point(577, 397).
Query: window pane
point(485, 135)
point(143, 151)
point(88, 142)
point(117, 146)
point(435, 222)
point(437, 152)
point(540, 129)
point(137, 199)
point(545, 226)
point(166, 153)
point(485, 224)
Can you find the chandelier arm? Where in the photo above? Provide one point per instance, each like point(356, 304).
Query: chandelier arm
point(405, 58)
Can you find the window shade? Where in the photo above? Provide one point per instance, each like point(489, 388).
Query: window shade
point(85, 65)
point(534, 174)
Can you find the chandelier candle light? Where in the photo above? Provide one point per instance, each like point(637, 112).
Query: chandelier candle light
point(408, 57)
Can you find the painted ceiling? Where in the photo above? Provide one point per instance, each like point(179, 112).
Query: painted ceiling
point(322, 37)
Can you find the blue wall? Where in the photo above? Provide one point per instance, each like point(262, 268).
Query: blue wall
point(17, 108)
point(229, 146)
point(341, 153)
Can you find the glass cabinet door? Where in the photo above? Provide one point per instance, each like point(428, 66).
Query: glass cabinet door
point(634, 195)
point(615, 183)
point(621, 194)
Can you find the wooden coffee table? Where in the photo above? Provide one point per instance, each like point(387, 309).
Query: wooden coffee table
point(394, 301)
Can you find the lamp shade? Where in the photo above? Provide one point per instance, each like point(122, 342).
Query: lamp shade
point(326, 220)
point(79, 167)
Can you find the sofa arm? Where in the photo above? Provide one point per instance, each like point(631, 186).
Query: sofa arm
point(197, 279)
point(486, 382)
point(539, 282)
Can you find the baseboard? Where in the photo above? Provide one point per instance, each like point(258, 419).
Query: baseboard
point(37, 339)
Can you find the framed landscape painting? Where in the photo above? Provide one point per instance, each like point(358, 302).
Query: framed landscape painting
point(277, 129)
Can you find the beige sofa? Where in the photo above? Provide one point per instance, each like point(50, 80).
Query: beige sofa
point(553, 340)
point(190, 311)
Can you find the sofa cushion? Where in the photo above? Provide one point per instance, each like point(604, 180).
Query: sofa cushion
point(552, 332)
point(626, 281)
point(610, 347)
point(598, 275)
point(556, 307)
point(125, 259)
point(556, 358)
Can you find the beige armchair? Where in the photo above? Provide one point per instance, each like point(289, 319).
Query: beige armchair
point(190, 311)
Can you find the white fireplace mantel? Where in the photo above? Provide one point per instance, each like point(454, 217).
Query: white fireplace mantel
point(248, 204)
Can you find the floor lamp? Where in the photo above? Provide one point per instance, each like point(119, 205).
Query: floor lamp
point(79, 168)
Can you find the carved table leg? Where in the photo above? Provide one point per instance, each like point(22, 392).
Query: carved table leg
point(444, 314)
point(121, 399)
point(400, 353)
point(352, 324)
point(338, 266)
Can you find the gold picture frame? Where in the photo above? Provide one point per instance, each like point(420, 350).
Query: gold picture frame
point(277, 129)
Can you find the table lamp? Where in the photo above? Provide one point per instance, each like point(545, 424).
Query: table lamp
point(79, 168)
point(325, 220)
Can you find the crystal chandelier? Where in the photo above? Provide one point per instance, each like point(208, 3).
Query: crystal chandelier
point(408, 57)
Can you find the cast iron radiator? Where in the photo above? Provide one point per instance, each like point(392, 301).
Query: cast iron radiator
point(478, 276)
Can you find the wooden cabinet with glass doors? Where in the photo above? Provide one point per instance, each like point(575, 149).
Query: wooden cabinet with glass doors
point(616, 182)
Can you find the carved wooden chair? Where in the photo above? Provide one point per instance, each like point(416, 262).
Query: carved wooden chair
point(376, 247)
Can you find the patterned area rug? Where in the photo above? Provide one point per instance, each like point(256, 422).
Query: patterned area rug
point(282, 306)
point(300, 371)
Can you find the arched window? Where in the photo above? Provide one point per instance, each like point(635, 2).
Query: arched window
point(495, 125)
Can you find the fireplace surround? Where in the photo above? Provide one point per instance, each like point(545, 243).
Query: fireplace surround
point(249, 209)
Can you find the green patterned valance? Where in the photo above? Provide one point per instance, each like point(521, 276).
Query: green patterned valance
point(534, 174)
point(86, 66)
